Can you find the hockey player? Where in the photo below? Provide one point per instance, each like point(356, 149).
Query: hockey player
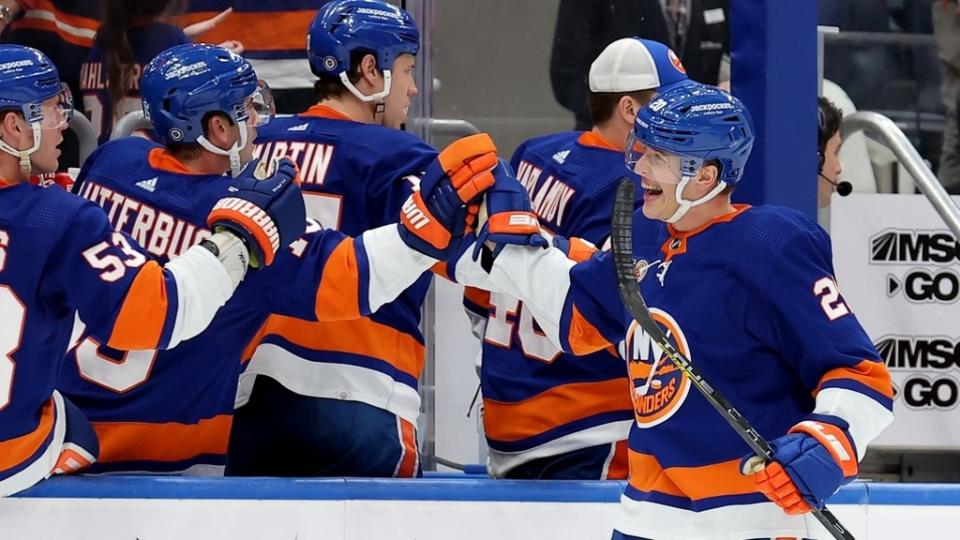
point(547, 414)
point(340, 398)
point(59, 258)
point(171, 410)
point(748, 294)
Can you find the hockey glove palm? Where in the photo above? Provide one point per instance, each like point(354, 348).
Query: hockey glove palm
point(810, 464)
point(267, 214)
point(510, 217)
point(434, 219)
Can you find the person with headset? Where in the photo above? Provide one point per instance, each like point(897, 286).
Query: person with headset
point(828, 153)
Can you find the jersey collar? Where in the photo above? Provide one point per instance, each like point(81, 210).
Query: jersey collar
point(676, 243)
point(595, 140)
point(324, 111)
point(161, 160)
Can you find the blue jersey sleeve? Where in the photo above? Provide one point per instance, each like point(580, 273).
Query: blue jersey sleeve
point(800, 312)
point(392, 178)
point(126, 301)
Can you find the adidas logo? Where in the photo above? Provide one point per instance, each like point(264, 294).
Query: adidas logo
point(149, 184)
point(300, 127)
point(561, 156)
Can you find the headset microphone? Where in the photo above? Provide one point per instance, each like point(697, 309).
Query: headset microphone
point(844, 188)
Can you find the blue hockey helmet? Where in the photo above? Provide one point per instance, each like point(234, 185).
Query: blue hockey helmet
point(342, 27)
point(700, 124)
point(27, 79)
point(181, 85)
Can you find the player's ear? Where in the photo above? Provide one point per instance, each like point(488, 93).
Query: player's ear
point(368, 69)
point(709, 174)
point(218, 130)
point(627, 108)
point(10, 126)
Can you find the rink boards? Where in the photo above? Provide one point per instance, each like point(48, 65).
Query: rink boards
point(434, 508)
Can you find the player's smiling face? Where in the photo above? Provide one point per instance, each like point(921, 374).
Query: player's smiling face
point(402, 89)
point(660, 174)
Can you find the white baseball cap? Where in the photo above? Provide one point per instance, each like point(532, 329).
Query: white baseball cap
point(633, 64)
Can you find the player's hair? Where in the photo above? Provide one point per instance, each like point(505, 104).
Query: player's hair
point(114, 39)
point(603, 104)
point(829, 117)
point(327, 87)
point(193, 150)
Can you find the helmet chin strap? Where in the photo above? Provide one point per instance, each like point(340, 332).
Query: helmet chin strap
point(376, 99)
point(24, 155)
point(233, 153)
point(685, 205)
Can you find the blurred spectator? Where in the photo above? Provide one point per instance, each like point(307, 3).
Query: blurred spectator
point(946, 29)
point(130, 36)
point(274, 35)
point(132, 33)
point(854, 15)
point(697, 29)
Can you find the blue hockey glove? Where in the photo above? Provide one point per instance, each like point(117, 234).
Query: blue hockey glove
point(267, 214)
point(811, 462)
point(434, 219)
point(510, 217)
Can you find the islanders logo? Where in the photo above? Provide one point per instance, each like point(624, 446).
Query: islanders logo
point(675, 60)
point(657, 387)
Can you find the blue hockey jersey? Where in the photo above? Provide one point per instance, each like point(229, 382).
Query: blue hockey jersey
point(751, 299)
point(171, 410)
point(60, 258)
point(539, 401)
point(146, 41)
point(355, 177)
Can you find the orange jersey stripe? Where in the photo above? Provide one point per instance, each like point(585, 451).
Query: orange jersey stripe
point(555, 407)
point(141, 441)
point(338, 296)
point(695, 483)
point(584, 338)
point(258, 31)
point(15, 451)
point(619, 468)
point(139, 324)
point(362, 337)
point(873, 375)
point(477, 296)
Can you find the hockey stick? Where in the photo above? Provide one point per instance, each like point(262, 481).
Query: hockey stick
point(621, 235)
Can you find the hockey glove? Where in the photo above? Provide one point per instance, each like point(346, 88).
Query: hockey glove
point(506, 216)
point(576, 249)
point(811, 462)
point(434, 218)
point(267, 214)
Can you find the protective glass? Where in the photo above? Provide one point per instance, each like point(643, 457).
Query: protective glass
point(57, 115)
point(260, 106)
